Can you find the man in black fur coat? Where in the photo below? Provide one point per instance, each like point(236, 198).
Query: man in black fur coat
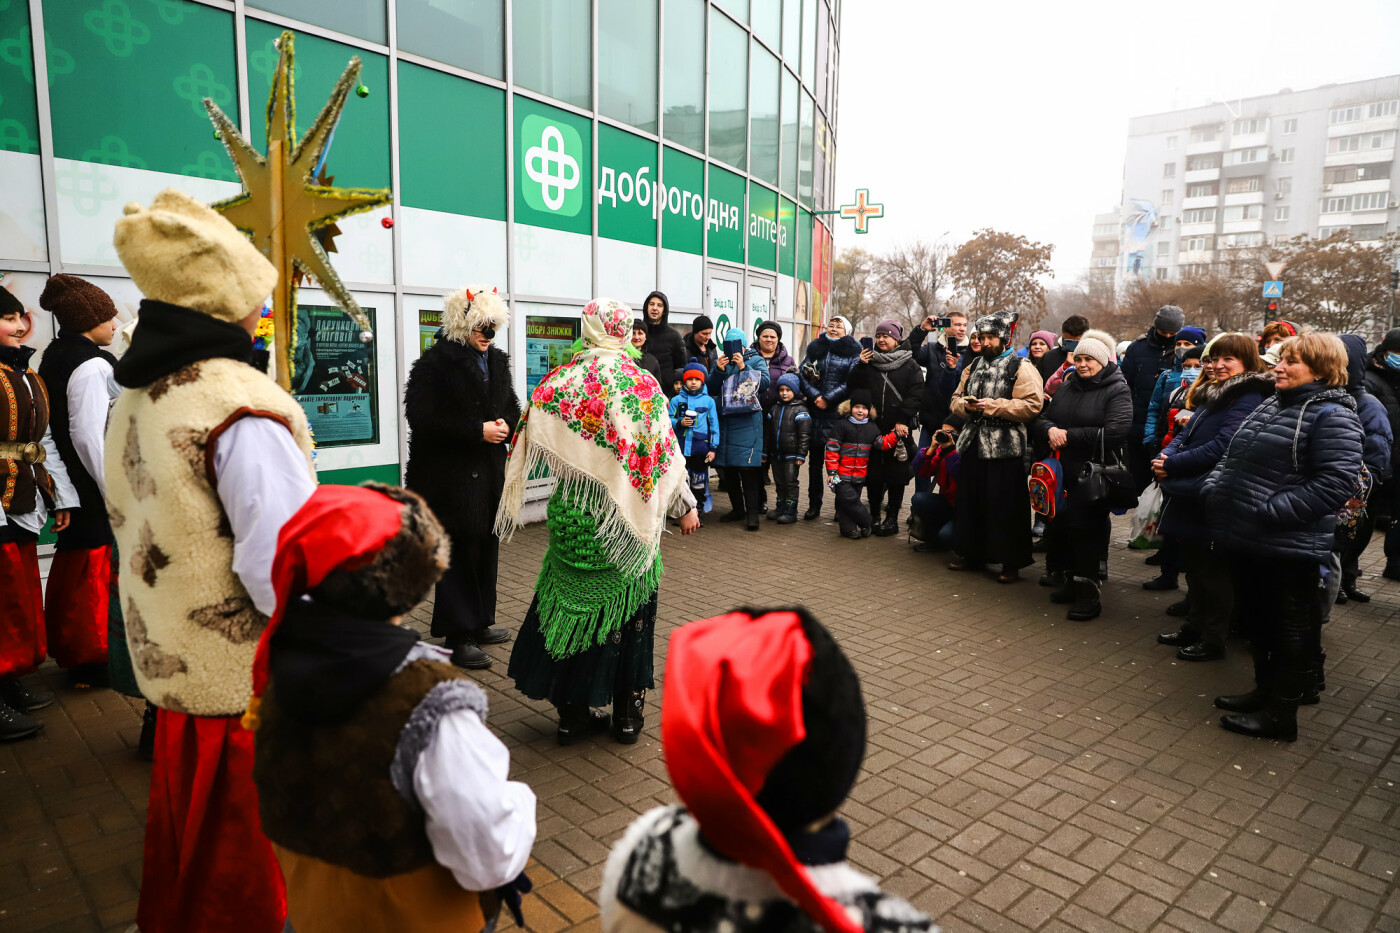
point(461, 409)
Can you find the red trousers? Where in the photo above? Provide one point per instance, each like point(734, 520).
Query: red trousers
point(22, 636)
point(75, 606)
point(208, 867)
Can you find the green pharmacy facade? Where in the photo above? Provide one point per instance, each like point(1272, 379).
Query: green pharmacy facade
point(554, 149)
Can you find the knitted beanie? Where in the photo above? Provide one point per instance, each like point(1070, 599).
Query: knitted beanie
point(1104, 338)
point(9, 304)
point(1094, 349)
point(1169, 319)
point(1391, 343)
point(769, 325)
point(401, 572)
point(861, 397)
point(76, 303)
point(792, 382)
point(1049, 338)
point(694, 370)
point(185, 253)
point(700, 323)
point(890, 328)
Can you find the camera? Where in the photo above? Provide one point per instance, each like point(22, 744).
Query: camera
point(940, 323)
point(943, 437)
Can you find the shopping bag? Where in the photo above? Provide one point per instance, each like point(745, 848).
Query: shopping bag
point(1144, 532)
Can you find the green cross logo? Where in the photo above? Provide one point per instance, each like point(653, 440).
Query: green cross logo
point(14, 137)
point(552, 167)
point(208, 165)
point(86, 186)
point(115, 25)
point(113, 151)
point(172, 11)
point(199, 84)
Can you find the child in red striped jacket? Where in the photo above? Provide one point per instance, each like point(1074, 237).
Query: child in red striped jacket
point(848, 449)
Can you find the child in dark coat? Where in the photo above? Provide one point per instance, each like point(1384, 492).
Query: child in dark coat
point(848, 447)
point(788, 441)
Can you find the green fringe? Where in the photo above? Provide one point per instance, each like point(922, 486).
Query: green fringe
point(583, 597)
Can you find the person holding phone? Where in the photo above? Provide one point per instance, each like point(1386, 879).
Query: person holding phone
point(825, 373)
point(939, 345)
point(740, 455)
point(888, 372)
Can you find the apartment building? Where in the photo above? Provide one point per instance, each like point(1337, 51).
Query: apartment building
point(1200, 184)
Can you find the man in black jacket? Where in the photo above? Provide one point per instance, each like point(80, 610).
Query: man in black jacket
point(663, 342)
point(1147, 358)
point(939, 358)
point(461, 409)
point(1383, 381)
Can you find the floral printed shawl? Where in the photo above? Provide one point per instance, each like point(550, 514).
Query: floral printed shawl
point(600, 424)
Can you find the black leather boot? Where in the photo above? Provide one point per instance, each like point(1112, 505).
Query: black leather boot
point(813, 513)
point(887, 528)
point(1350, 592)
point(627, 716)
point(1181, 638)
point(577, 721)
point(1278, 717)
point(1253, 701)
point(1086, 601)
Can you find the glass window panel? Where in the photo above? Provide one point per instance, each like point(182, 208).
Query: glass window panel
point(809, 40)
point(362, 18)
point(823, 56)
point(819, 193)
point(763, 115)
point(551, 43)
point(766, 17)
point(792, 30)
point(627, 62)
point(467, 33)
point(684, 120)
point(804, 158)
point(788, 151)
point(739, 8)
point(729, 71)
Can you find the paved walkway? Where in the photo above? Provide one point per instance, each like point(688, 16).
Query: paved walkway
point(1024, 772)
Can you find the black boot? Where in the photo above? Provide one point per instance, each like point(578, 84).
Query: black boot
point(887, 528)
point(577, 721)
point(1349, 591)
point(1253, 701)
point(25, 698)
point(146, 744)
point(1181, 638)
point(1319, 684)
point(1053, 578)
point(466, 654)
point(627, 716)
point(787, 512)
point(1086, 601)
point(15, 725)
point(1278, 717)
point(813, 513)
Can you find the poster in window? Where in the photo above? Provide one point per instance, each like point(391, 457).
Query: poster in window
point(335, 377)
point(549, 342)
point(429, 321)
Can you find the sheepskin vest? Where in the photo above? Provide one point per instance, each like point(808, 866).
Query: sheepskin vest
point(358, 845)
point(994, 438)
point(191, 626)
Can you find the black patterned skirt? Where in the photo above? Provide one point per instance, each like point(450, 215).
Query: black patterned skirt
point(621, 664)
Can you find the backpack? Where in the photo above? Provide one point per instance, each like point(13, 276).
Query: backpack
point(1047, 486)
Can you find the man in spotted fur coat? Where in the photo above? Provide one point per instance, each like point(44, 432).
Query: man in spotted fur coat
point(206, 458)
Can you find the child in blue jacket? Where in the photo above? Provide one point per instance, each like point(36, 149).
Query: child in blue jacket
point(696, 420)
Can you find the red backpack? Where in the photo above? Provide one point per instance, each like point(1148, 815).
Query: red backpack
point(1047, 486)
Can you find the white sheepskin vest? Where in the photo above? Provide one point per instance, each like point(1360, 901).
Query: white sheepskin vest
point(190, 624)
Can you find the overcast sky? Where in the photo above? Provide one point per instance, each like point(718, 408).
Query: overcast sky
point(1014, 114)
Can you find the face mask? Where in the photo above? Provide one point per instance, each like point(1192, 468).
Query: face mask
point(1392, 360)
point(1069, 343)
point(1189, 376)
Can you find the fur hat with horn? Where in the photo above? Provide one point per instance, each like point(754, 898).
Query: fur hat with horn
point(472, 307)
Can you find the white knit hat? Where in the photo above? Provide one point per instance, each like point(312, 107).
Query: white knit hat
point(1094, 348)
point(183, 252)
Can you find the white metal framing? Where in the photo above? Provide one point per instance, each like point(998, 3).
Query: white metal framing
point(242, 11)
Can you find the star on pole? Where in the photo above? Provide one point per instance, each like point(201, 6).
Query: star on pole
point(283, 205)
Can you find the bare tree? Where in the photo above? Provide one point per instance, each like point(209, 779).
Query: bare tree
point(999, 271)
point(907, 280)
point(850, 281)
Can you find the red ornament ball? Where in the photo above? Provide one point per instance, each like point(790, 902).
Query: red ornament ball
point(387, 222)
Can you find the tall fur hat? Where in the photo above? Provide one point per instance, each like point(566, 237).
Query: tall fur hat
point(1000, 324)
point(472, 307)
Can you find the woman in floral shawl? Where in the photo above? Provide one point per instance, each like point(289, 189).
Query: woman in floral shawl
point(600, 425)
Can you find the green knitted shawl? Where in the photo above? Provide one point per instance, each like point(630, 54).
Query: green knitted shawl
point(583, 596)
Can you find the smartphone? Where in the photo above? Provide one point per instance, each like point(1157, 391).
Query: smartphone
point(732, 347)
point(940, 323)
point(867, 343)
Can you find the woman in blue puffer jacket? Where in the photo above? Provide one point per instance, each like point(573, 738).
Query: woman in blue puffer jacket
point(1220, 404)
point(1272, 504)
point(740, 456)
point(1375, 451)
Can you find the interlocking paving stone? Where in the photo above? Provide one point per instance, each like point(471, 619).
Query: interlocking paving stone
point(1023, 772)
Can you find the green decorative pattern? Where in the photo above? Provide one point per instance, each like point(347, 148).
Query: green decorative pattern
point(726, 240)
point(553, 169)
point(19, 118)
point(626, 218)
point(460, 166)
point(681, 231)
point(359, 155)
point(804, 245)
point(126, 78)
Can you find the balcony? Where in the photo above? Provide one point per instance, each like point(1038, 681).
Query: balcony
point(1201, 148)
point(1201, 174)
point(1369, 186)
point(1209, 200)
point(1205, 229)
point(1358, 157)
point(1244, 197)
point(1375, 125)
point(1189, 257)
point(1249, 140)
point(1242, 226)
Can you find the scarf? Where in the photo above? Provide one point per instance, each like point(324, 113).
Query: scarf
point(599, 423)
point(889, 362)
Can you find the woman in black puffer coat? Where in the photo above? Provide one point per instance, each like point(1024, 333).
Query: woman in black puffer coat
point(896, 384)
point(1220, 406)
point(1272, 504)
point(1089, 417)
point(825, 373)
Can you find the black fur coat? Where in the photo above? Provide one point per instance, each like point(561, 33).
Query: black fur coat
point(450, 464)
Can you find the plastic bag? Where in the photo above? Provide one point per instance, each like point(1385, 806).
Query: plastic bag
point(1144, 532)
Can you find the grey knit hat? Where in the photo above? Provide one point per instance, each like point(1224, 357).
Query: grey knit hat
point(1170, 319)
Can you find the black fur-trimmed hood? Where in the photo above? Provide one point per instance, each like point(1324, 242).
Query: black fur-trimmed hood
point(822, 346)
point(1221, 394)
